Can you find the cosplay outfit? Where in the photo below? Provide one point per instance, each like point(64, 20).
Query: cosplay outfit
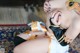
point(59, 33)
point(57, 45)
point(54, 45)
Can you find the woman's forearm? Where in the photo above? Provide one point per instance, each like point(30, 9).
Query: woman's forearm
point(73, 31)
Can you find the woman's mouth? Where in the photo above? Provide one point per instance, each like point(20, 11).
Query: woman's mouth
point(56, 18)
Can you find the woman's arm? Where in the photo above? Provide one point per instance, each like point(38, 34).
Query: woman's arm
point(73, 31)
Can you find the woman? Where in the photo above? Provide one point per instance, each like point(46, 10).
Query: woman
point(63, 25)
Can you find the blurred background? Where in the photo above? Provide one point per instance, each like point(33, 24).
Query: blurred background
point(14, 17)
point(20, 11)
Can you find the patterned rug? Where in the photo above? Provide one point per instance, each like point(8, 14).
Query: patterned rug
point(7, 35)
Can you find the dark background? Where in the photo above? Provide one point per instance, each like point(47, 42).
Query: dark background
point(12, 3)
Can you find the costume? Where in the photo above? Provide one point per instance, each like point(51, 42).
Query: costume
point(54, 45)
point(18, 40)
point(70, 5)
point(59, 33)
point(57, 45)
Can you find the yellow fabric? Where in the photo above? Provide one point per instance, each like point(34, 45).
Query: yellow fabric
point(34, 26)
point(27, 32)
point(32, 37)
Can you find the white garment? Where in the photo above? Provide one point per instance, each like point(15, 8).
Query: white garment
point(55, 47)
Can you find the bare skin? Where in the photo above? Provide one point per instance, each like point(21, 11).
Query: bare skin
point(69, 20)
point(33, 46)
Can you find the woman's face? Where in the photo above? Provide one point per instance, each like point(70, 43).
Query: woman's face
point(60, 14)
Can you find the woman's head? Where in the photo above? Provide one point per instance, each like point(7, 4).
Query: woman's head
point(59, 12)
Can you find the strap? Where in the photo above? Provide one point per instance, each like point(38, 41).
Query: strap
point(49, 45)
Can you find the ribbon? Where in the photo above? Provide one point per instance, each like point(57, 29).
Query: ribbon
point(36, 26)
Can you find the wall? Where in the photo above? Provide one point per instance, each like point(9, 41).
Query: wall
point(19, 15)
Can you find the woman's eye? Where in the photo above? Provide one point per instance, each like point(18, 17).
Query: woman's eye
point(71, 4)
